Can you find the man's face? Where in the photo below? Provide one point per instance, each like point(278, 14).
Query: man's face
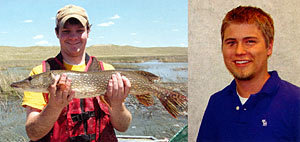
point(244, 51)
point(72, 38)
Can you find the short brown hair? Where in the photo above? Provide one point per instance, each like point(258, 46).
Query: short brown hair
point(250, 15)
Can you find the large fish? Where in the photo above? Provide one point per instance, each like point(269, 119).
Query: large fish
point(91, 84)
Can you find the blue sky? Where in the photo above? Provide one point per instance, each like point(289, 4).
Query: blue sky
point(142, 23)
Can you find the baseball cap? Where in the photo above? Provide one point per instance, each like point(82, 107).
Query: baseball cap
point(71, 11)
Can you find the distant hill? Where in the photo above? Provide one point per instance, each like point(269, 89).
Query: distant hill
point(116, 50)
point(43, 52)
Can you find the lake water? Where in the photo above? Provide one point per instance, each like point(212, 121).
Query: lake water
point(151, 121)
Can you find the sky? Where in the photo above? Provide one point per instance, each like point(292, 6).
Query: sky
point(141, 23)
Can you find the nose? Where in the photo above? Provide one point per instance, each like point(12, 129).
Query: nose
point(73, 36)
point(240, 49)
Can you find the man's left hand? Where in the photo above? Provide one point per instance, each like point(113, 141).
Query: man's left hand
point(117, 90)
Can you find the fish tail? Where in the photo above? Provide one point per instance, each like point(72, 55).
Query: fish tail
point(174, 102)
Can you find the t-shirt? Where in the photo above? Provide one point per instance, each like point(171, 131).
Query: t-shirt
point(36, 100)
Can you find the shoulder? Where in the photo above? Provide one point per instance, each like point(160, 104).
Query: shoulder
point(37, 70)
point(284, 87)
point(108, 66)
point(225, 91)
point(289, 90)
point(289, 86)
point(222, 94)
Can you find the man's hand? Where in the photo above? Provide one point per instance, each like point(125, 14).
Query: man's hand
point(38, 122)
point(117, 91)
point(60, 92)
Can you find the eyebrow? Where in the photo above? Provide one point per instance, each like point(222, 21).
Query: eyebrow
point(245, 38)
point(250, 37)
point(227, 39)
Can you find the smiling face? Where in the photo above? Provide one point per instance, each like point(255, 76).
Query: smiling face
point(244, 51)
point(73, 39)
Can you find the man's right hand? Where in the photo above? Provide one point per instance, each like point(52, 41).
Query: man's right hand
point(60, 92)
point(40, 122)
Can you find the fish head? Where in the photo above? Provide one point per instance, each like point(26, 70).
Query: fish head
point(35, 83)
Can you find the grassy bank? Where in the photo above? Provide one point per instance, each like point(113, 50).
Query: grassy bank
point(108, 52)
point(28, 57)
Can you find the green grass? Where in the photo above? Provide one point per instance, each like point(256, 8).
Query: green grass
point(6, 92)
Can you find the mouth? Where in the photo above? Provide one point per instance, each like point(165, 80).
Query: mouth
point(74, 43)
point(241, 62)
point(14, 85)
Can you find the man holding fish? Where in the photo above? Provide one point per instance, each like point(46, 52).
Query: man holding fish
point(57, 115)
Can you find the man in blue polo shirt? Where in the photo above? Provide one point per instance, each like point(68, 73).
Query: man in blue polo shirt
point(257, 106)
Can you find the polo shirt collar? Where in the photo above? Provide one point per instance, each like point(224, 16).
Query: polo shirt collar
point(272, 84)
point(269, 87)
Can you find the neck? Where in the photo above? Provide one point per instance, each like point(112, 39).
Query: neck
point(74, 60)
point(247, 87)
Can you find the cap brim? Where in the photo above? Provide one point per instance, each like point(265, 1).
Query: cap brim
point(81, 19)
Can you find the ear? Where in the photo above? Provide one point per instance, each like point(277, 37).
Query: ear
point(56, 32)
point(270, 48)
point(88, 32)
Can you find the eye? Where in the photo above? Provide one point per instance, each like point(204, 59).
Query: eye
point(65, 31)
point(230, 43)
point(251, 42)
point(29, 78)
point(80, 31)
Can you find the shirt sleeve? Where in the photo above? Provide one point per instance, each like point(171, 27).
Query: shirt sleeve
point(34, 99)
point(207, 131)
point(108, 66)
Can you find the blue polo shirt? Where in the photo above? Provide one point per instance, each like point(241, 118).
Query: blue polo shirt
point(273, 114)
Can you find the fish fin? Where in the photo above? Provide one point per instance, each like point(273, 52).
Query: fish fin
point(52, 77)
point(174, 102)
point(152, 77)
point(145, 99)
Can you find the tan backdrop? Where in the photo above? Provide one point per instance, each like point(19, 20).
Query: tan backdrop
point(207, 72)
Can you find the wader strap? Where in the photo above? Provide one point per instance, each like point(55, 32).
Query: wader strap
point(83, 116)
point(83, 138)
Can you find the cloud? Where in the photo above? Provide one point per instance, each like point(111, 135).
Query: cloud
point(101, 36)
point(133, 34)
point(175, 30)
point(3, 32)
point(116, 16)
point(106, 24)
point(136, 42)
point(42, 42)
point(27, 21)
point(38, 37)
point(183, 45)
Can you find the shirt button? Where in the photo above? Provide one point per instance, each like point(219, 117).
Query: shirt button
point(237, 108)
point(245, 109)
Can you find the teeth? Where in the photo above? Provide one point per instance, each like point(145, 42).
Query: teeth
point(241, 62)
